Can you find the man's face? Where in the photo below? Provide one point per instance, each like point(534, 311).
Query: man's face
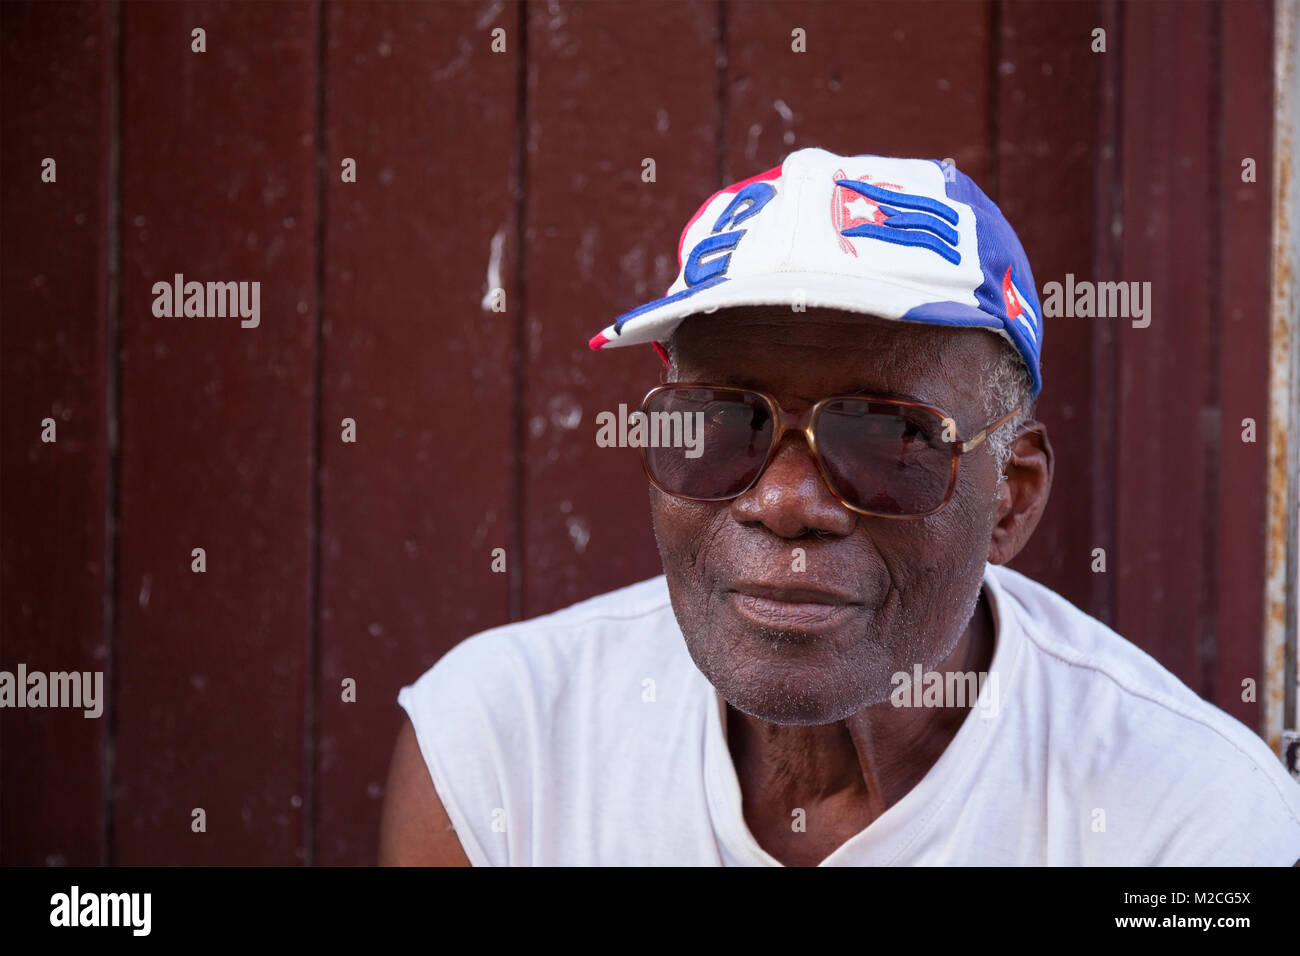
point(877, 595)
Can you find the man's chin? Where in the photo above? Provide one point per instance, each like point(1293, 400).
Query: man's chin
point(785, 691)
point(809, 675)
point(778, 705)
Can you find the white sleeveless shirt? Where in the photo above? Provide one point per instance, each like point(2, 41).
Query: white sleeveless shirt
point(589, 737)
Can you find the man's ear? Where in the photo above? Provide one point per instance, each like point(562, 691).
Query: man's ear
point(1023, 496)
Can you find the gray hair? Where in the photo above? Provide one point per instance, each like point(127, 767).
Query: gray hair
point(1007, 385)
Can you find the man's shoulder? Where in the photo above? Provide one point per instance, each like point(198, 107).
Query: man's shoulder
point(1072, 647)
point(1124, 720)
point(1081, 656)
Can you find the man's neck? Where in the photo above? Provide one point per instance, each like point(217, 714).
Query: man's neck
point(843, 776)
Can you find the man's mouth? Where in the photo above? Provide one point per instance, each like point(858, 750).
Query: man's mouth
point(803, 609)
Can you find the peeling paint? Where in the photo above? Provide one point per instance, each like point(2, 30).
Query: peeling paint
point(586, 252)
point(579, 533)
point(787, 117)
point(1282, 565)
point(488, 15)
point(565, 412)
point(494, 268)
point(464, 49)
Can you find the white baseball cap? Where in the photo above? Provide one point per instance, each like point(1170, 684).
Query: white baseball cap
point(908, 239)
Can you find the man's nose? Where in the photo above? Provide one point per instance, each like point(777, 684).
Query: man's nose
point(791, 499)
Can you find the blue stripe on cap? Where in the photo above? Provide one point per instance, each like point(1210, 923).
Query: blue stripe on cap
point(905, 238)
point(879, 195)
point(675, 297)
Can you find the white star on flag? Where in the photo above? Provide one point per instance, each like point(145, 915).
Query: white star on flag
point(861, 208)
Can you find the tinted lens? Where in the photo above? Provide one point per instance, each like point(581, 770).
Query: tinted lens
point(706, 443)
point(888, 459)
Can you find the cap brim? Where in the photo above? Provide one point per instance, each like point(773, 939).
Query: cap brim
point(656, 320)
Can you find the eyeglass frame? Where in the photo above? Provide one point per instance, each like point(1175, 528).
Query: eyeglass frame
point(803, 422)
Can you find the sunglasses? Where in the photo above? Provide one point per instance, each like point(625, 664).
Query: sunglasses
point(883, 457)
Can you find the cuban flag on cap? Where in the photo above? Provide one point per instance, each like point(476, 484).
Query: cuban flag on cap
point(908, 239)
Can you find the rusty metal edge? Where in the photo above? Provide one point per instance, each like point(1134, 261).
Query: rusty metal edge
point(1282, 565)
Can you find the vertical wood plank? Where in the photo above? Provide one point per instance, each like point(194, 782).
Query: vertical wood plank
point(56, 70)
point(411, 511)
point(1048, 89)
point(1241, 348)
point(1103, 405)
point(1166, 428)
point(605, 91)
point(218, 184)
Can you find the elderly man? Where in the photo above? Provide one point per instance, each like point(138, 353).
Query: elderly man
point(836, 668)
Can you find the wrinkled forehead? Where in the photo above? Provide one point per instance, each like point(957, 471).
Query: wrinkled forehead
point(808, 355)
